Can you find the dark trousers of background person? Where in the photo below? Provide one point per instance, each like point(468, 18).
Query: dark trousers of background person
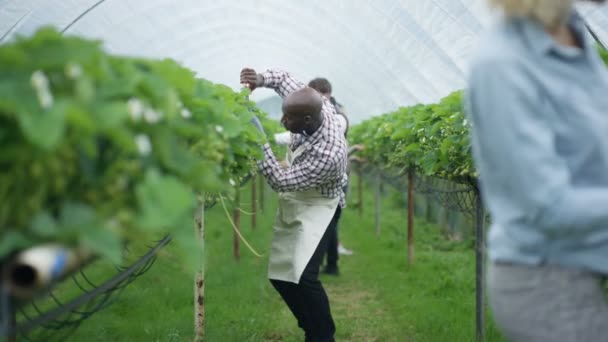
point(307, 300)
point(332, 243)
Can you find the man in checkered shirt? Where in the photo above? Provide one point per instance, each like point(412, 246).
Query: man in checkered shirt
point(310, 191)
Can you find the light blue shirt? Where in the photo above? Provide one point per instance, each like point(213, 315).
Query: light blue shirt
point(540, 141)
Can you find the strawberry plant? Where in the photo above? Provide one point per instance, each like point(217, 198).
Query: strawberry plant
point(97, 148)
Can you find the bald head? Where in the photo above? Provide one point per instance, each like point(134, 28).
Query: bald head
point(302, 110)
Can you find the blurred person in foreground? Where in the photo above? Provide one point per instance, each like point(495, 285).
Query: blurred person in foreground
point(538, 104)
point(310, 193)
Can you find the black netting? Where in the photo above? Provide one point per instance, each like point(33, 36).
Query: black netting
point(50, 318)
point(456, 196)
point(453, 196)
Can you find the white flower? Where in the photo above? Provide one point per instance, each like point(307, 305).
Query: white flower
point(46, 99)
point(232, 182)
point(73, 70)
point(39, 80)
point(423, 139)
point(135, 108)
point(41, 84)
point(143, 144)
point(185, 113)
point(465, 122)
point(219, 129)
point(151, 115)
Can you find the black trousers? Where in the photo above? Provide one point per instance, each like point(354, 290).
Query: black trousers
point(307, 300)
point(332, 240)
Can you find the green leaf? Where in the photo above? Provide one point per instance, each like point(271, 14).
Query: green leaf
point(172, 153)
point(111, 115)
point(76, 218)
point(163, 200)
point(44, 128)
point(104, 242)
point(85, 90)
point(412, 147)
point(188, 247)
point(428, 163)
point(11, 241)
point(44, 225)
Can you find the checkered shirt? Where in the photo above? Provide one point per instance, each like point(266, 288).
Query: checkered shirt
point(322, 164)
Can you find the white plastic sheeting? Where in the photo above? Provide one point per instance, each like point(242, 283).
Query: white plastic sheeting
point(378, 54)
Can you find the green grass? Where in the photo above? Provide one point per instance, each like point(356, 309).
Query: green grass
point(377, 297)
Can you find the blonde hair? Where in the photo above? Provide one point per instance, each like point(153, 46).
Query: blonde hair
point(549, 13)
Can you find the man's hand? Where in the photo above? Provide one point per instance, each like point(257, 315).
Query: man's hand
point(251, 79)
point(358, 147)
point(357, 160)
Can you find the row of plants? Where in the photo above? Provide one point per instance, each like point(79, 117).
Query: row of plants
point(431, 139)
point(96, 149)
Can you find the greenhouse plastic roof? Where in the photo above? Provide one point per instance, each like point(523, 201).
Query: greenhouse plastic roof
point(378, 54)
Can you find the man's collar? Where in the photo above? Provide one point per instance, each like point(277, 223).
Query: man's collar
point(316, 134)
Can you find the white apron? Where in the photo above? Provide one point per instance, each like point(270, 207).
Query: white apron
point(301, 221)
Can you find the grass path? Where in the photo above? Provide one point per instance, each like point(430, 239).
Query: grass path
point(377, 297)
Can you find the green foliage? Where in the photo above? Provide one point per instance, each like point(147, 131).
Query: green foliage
point(97, 148)
point(433, 139)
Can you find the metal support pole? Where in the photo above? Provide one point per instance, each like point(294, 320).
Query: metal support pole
point(479, 269)
point(410, 217)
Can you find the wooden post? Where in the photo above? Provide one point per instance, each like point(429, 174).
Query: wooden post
point(236, 218)
point(479, 268)
point(199, 280)
point(262, 185)
point(360, 189)
point(254, 206)
point(377, 200)
point(410, 217)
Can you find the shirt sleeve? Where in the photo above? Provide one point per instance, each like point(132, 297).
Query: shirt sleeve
point(309, 173)
point(524, 178)
point(281, 81)
point(341, 123)
point(283, 138)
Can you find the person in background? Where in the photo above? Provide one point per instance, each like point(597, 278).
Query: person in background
point(310, 195)
point(537, 102)
point(334, 247)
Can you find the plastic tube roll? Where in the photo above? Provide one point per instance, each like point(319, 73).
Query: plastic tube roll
point(38, 267)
